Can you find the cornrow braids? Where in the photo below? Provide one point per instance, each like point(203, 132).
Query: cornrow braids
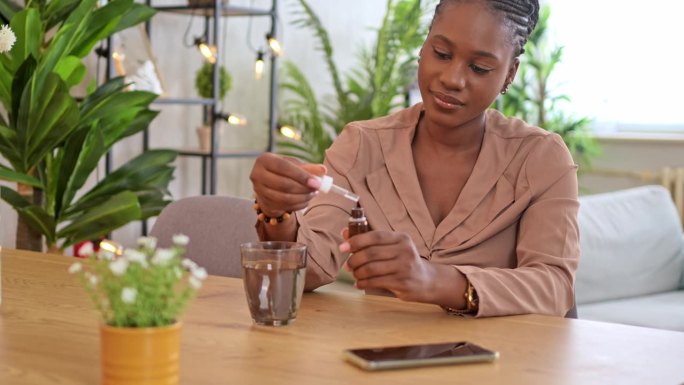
point(520, 15)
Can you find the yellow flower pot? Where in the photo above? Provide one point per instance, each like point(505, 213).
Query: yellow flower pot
point(140, 356)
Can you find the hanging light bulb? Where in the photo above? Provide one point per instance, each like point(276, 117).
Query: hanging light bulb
point(111, 246)
point(290, 132)
point(207, 51)
point(259, 65)
point(118, 59)
point(275, 45)
point(234, 119)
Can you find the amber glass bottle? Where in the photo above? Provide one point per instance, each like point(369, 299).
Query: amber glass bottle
point(357, 221)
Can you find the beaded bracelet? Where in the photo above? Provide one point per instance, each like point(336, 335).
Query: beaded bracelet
point(266, 219)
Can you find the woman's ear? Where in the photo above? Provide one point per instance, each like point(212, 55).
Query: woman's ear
point(512, 70)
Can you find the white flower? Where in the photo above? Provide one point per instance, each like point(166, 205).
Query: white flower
point(181, 240)
point(178, 272)
point(86, 250)
point(135, 256)
point(128, 294)
point(105, 254)
point(92, 279)
point(147, 242)
point(75, 268)
point(199, 273)
point(163, 256)
point(195, 282)
point(119, 266)
point(188, 264)
point(7, 38)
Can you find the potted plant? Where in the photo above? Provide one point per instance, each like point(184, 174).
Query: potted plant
point(376, 87)
point(52, 140)
point(204, 83)
point(140, 294)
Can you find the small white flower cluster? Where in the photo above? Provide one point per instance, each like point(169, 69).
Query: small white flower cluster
point(7, 38)
point(126, 274)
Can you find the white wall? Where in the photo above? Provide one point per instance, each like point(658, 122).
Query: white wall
point(622, 156)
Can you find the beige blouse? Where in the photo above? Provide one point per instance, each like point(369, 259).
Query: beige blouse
point(513, 230)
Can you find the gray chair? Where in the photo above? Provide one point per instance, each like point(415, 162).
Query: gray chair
point(216, 225)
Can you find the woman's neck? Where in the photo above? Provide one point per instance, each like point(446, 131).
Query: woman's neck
point(466, 137)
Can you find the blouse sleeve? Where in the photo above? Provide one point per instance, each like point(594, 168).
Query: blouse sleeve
point(321, 224)
point(547, 247)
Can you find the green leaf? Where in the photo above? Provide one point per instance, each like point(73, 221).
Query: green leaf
point(58, 11)
point(117, 211)
point(35, 216)
point(102, 24)
point(66, 39)
point(27, 27)
point(92, 149)
point(8, 139)
point(71, 70)
point(8, 9)
point(139, 173)
point(22, 80)
point(13, 176)
point(44, 120)
point(137, 14)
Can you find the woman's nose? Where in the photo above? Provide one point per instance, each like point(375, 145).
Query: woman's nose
point(454, 76)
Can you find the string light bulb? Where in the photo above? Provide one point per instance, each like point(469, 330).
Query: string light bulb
point(290, 132)
point(259, 65)
point(208, 51)
point(275, 45)
point(232, 118)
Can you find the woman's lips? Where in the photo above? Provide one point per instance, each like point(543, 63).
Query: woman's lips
point(446, 101)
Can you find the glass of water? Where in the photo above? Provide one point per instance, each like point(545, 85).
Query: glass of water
point(273, 275)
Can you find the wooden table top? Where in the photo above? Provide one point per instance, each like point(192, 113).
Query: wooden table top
point(49, 335)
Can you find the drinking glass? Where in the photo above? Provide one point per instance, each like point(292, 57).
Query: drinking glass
point(273, 275)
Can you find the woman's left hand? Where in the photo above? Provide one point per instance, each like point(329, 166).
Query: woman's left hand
point(389, 260)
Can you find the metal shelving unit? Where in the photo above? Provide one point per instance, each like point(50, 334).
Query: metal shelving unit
point(212, 28)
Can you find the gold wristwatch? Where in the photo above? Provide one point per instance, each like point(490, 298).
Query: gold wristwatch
point(472, 302)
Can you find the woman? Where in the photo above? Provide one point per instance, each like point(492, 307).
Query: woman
point(469, 210)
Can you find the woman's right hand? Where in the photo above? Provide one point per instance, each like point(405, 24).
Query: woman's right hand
point(283, 183)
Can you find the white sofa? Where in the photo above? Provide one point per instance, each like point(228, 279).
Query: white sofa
point(632, 264)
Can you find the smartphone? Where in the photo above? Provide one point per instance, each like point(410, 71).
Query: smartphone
point(394, 357)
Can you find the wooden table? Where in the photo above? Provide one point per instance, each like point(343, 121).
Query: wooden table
point(49, 335)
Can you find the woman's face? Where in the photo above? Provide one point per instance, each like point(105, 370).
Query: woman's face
point(465, 61)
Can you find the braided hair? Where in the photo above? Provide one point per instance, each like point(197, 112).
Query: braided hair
point(520, 15)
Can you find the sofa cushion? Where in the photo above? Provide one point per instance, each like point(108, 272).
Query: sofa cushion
point(663, 311)
point(631, 243)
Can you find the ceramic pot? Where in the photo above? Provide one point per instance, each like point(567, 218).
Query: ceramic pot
point(204, 138)
point(141, 356)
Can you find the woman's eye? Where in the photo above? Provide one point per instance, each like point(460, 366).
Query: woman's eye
point(442, 55)
point(479, 70)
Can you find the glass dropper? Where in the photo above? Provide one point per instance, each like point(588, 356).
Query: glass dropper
point(327, 185)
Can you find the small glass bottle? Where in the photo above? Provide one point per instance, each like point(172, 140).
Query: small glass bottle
point(357, 222)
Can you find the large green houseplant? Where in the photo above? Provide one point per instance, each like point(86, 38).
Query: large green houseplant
point(377, 86)
point(532, 99)
point(52, 141)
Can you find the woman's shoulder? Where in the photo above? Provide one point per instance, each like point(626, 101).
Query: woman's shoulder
point(404, 119)
point(511, 127)
point(360, 142)
point(525, 135)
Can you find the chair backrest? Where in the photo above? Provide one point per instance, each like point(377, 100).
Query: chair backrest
point(216, 225)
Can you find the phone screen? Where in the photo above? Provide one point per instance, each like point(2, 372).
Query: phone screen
point(419, 355)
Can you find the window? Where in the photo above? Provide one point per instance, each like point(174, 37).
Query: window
point(623, 62)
